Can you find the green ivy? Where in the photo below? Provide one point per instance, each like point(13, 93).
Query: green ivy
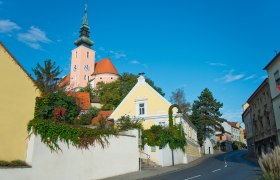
point(161, 136)
point(78, 136)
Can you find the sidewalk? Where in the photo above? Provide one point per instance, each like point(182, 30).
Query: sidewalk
point(151, 172)
point(252, 157)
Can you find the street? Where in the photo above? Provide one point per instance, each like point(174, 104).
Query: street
point(228, 166)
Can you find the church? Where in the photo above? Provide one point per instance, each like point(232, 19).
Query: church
point(84, 68)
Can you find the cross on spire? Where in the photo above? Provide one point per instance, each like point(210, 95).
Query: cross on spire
point(85, 21)
point(84, 32)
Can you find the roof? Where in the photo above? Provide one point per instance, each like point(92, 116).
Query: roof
point(82, 99)
point(273, 60)
point(257, 90)
point(65, 81)
point(105, 66)
point(141, 83)
point(233, 124)
point(95, 100)
point(104, 114)
point(17, 62)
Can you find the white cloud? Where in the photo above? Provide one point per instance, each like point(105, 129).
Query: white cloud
point(216, 64)
point(134, 62)
point(101, 49)
point(233, 116)
point(250, 77)
point(7, 26)
point(34, 37)
point(117, 54)
point(230, 77)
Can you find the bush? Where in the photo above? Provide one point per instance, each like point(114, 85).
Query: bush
point(236, 145)
point(84, 119)
point(15, 163)
point(78, 136)
point(270, 164)
point(45, 106)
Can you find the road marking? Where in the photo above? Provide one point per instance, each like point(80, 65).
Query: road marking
point(193, 177)
point(216, 170)
point(225, 162)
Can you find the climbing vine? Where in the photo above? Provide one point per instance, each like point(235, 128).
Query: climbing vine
point(161, 136)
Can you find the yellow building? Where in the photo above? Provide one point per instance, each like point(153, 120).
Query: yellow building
point(146, 103)
point(17, 103)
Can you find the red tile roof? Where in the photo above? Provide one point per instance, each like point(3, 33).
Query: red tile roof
point(105, 66)
point(82, 99)
point(104, 114)
point(65, 81)
point(233, 124)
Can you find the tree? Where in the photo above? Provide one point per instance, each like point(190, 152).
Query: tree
point(178, 97)
point(47, 76)
point(206, 115)
point(89, 89)
point(111, 94)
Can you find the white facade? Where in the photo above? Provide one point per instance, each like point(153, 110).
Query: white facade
point(273, 71)
point(235, 134)
point(226, 127)
point(121, 156)
point(208, 146)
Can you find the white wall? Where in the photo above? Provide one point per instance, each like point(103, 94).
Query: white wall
point(15, 173)
point(179, 156)
point(207, 144)
point(163, 157)
point(120, 157)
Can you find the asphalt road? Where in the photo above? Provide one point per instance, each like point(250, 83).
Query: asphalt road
point(228, 166)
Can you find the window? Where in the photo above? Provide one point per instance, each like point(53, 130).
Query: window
point(161, 124)
point(76, 53)
point(277, 78)
point(101, 78)
point(153, 149)
point(111, 77)
point(85, 77)
point(141, 108)
point(87, 54)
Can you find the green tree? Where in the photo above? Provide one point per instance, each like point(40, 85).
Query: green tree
point(206, 115)
point(47, 76)
point(45, 105)
point(89, 89)
point(178, 97)
point(111, 94)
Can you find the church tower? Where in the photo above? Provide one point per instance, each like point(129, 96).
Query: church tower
point(83, 57)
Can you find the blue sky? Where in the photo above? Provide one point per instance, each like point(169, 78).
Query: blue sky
point(190, 44)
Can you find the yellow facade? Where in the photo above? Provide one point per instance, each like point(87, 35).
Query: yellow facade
point(156, 104)
point(17, 103)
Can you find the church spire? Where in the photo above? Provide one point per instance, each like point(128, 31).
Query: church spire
point(84, 32)
point(85, 21)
